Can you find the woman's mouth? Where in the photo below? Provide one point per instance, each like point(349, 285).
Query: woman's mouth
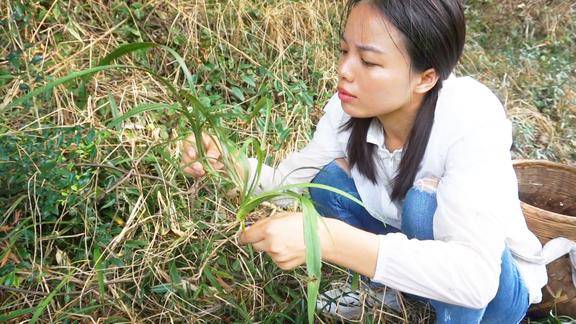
point(345, 96)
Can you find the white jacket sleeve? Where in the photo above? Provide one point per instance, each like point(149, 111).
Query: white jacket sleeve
point(461, 266)
point(302, 166)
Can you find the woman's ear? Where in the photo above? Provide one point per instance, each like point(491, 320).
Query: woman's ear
point(426, 81)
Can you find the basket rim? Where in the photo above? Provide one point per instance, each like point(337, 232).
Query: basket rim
point(543, 213)
point(528, 162)
point(546, 213)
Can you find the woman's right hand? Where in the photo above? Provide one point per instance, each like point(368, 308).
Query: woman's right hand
point(190, 163)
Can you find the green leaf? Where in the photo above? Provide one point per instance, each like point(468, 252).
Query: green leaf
point(321, 186)
point(99, 268)
point(114, 109)
point(161, 288)
point(237, 92)
point(135, 243)
point(270, 291)
point(123, 50)
point(264, 102)
point(14, 314)
point(313, 254)
point(174, 275)
point(212, 279)
point(69, 77)
point(5, 77)
point(183, 66)
point(138, 110)
point(46, 301)
point(249, 204)
point(249, 80)
point(129, 48)
point(355, 281)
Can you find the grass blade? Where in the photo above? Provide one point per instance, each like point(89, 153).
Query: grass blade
point(248, 205)
point(138, 110)
point(46, 301)
point(69, 77)
point(98, 267)
point(113, 108)
point(313, 254)
point(123, 50)
point(129, 48)
point(320, 186)
point(17, 313)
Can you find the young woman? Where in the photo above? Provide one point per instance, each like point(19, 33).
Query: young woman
point(428, 154)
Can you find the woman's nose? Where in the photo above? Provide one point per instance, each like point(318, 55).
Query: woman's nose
point(345, 69)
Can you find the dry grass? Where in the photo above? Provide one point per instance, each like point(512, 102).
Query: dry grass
point(523, 50)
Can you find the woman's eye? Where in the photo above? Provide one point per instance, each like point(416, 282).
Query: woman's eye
point(368, 63)
point(343, 51)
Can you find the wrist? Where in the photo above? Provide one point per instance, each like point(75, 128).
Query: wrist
point(327, 231)
point(349, 247)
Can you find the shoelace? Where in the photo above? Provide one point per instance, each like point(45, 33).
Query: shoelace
point(338, 300)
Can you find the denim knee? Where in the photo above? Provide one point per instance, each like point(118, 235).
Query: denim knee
point(331, 204)
point(508, 306)
point(418, 210)
point(327, 201)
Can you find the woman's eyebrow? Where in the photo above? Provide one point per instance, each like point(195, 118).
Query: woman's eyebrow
point(364, 47)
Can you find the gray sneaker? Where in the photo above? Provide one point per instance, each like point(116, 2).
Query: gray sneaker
point(386, 296)
point(349, 305)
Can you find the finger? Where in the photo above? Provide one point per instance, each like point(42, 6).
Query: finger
point(189, 142)
point(260, 246)
point(195, 169)
point(186, 165)
point(281, 257)
point(254, 233)
point(291, 264)
point(212, 158)
point(212, 152)
point(212, 146)
point(191, 153)
point(198, 168)
point(187, 160)
point(216, 165)
point(207, 141)
point(193, 172)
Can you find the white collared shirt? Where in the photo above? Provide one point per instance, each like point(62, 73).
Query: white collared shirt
point(478, 209)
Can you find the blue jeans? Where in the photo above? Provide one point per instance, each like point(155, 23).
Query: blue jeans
point(511, 301)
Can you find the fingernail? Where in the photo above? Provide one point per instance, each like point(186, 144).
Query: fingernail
point(197, 167)
point(212, 154)
point(191, 152)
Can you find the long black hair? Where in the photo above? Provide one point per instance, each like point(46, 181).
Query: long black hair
point(434, 33)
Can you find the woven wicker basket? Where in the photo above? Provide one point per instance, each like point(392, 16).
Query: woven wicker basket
point(548, 194)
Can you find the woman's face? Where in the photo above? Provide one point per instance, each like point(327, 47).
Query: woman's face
point(374, 75)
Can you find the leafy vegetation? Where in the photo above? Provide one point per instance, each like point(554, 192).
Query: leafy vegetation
point(97, 219)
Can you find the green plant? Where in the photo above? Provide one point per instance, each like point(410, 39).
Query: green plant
point(201, 119)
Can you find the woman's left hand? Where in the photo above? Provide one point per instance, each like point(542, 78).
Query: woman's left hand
point(280, 236)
